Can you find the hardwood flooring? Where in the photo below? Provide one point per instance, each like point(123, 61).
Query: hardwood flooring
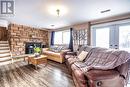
point(20, 74)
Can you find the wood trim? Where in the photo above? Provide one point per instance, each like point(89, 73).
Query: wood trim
point(5, 56)
point(8, 60)
point(4, 52)
point(89, 34)
point(3, 34)
point(4, 48)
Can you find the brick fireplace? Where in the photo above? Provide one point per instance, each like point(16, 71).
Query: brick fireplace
point(19, 35)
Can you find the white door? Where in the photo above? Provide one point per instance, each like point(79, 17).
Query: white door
point(124, 37)
point(116, 36)
point(101, 37)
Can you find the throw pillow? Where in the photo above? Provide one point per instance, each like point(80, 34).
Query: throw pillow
point(82, 55)
point(53, 48)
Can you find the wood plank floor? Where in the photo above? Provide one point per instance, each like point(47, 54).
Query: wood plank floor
point(21, 74)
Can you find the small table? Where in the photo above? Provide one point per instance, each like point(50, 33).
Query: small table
point(37, 60)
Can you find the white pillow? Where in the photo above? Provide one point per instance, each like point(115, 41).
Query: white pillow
point(82, 55)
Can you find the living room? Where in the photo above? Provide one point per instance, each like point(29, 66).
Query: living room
point(64, 43)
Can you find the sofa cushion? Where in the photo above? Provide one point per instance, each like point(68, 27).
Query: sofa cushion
point(72, 60)
point(84, 48)
point(80, 64)
point(58, 49)
point(82, 55)
point(69, 56)
point(74, 67)
point(100, 56)
point(53, 48)
point(81, 49)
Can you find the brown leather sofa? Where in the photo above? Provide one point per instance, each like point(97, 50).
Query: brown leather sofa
point(93, 77)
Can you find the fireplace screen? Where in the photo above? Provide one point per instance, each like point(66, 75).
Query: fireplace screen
point(29, 47)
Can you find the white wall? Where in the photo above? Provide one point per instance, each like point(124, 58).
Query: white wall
point(4, 23)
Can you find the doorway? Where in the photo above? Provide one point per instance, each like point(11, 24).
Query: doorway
point(115, 36)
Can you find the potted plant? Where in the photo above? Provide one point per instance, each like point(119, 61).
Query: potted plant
point(37, 51)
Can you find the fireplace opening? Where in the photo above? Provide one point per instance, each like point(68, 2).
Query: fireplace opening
point(29, 47)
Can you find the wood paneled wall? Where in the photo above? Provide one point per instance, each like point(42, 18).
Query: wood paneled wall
point(3, 34)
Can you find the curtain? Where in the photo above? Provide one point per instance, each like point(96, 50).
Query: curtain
point(79, 38)
point(71, 40)
point(52, 37)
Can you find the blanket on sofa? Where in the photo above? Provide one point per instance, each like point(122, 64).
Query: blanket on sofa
point(106, 59)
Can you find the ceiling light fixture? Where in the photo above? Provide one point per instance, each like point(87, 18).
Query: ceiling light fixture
point(58, 12)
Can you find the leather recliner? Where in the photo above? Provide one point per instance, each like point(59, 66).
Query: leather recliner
point(93, 77)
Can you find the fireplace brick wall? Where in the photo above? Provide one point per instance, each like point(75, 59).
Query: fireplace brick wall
point(20, 34)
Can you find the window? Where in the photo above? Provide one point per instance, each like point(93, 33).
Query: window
point(62, 37)
point(58, 38)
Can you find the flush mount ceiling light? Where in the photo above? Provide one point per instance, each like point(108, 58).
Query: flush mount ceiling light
point(57, 10)
point(52, 25)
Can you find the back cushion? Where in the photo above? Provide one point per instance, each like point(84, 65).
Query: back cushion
point(84, 48)
point(53, 48)
point(101, 56)
point(57, 48)
point(81, 49)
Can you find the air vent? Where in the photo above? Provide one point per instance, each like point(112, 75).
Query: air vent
point(105, 11)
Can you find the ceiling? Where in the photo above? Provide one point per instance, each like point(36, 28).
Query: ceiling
point(42, 13)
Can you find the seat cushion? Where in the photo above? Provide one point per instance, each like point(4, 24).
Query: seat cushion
point(80, 64)
point(69, 56)
point(72, 60)
point(74, 67)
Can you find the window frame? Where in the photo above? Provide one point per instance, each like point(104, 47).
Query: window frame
point(62, 37)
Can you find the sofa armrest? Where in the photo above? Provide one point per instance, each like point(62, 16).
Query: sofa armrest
point(45, 49)
point(101, 74)
point(63, 53)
